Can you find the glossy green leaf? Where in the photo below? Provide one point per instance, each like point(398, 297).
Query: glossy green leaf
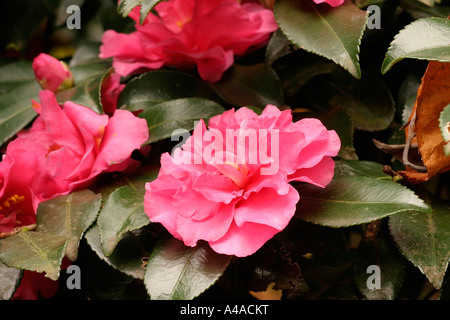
point(381, 254)
point(166, 117)
point(177, 272)
point(359, 193)
point(68, 216)
point(334, 33)
point(296, 69)
point(339, 120)
point(257, 85)
point(368, 100)
point(444, 124)
point(160, 86)
point(17, 87)
point(277, 47)
point(424, 239)
point(87, 52)
point(125, 7)
point(34, 251)
point(10, 280)
point(16, 74)
point(126, 257)
point(123, 211)
point(425, 39)
point(108, 183)
point(418, 10)
point(146, 7)
point(86, 91)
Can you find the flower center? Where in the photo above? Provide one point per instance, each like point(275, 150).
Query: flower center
point(15, 199)
point(10, 203)
point(236, 172)
point(9, 208)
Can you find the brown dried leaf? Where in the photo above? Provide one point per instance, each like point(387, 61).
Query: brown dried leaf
point(432, 97)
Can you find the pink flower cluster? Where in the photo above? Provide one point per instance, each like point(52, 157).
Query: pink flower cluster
point(232, 205)
point(64, 150)
point(184, 34)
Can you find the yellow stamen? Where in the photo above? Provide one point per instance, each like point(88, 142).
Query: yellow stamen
point(13, 200)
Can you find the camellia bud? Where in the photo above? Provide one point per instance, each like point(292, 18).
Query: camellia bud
point(51, 73)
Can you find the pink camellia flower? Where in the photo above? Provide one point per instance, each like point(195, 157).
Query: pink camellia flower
point(333, 3)
point(184, 34)
point(51, 73)
point(70, 146)
point(18, 202)
point(229, 185)
point(64, 150)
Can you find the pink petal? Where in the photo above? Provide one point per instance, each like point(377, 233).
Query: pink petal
point(210, 229)
point(127, 52)
point(267, 207)
point(57, 122)
point(245, 240)
point(222, 190)
point(123, 134)
point(320, 175)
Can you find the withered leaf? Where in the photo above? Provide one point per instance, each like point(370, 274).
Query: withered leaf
point(432, 97)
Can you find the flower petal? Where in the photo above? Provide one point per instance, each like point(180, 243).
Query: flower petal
point(245, 240)
point(267, 207)
point(123, 134)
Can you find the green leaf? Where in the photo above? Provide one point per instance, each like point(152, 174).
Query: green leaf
point(127, 256)
point(424, 39)
point(122, 212)
point(87, 52)
point(424, 239)
point(11, 278)
point(34, 251)
point(125, 7)
point(296, 69)
point(177, 272)
point(368, 100)
point(162, 85)
point(257, 85)
point(146, 7)
point(380, 253)
point(15, 99)
point(277, 47)
point(166, 117)
point(334, 33)
point(68, 216)
point(420, 10)
point(339, 120)
point(16, 74)
point(86, 91)
point(359, 193)
point(108, 183)
point(444, 124)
